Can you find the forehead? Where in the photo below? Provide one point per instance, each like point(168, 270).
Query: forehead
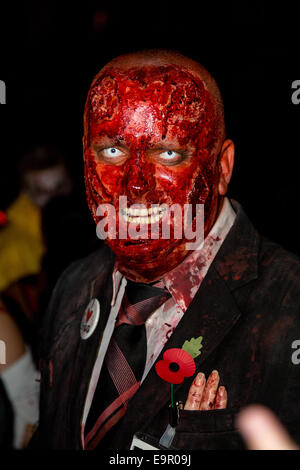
point(154, 85)
point(174, 100)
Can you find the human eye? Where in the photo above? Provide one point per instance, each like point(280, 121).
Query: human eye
point(170, 156)
point(111, 152)
point(111, 155)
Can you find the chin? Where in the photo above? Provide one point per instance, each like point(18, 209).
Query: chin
point(142, 251)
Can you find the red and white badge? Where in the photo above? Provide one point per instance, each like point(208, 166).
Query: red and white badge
point(90, 319)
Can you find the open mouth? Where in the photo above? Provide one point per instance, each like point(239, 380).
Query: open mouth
point(143, 216)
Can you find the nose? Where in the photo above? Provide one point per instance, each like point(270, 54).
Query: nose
point(139, 178)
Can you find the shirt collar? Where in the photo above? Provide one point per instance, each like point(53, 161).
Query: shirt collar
point(183, 281)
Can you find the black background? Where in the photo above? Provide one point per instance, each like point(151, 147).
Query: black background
point(50, 52)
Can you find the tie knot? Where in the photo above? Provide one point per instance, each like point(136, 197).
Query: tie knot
point(140, 301)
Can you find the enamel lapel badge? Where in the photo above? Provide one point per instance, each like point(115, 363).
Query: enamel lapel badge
point(90, 319)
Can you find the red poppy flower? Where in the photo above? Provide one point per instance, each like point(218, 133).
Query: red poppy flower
point(175, 366)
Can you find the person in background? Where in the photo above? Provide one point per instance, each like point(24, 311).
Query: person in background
point(19, 383)
point(43, 175)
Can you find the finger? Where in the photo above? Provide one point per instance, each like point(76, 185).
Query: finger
point(210, 391)
point(221, 399)
point(262, 431)
point(195, 393)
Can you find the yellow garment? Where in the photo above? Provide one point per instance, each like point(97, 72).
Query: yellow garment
point(21, 244)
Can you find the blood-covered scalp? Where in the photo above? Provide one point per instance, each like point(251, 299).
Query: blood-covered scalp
point(157, 68)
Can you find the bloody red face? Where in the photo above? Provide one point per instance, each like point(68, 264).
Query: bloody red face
point(151, 135)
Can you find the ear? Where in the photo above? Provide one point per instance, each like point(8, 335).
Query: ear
point(226, 166)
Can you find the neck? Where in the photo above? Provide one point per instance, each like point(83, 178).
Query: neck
point(155, 270)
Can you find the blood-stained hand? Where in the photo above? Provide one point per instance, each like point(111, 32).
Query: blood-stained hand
point(206, 395)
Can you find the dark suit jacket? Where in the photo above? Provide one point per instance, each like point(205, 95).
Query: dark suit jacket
point(248, 312)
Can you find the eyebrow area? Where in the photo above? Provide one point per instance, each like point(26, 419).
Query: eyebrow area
point(106, 142)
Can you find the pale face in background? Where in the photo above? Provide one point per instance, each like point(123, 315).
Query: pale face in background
point(43, 185)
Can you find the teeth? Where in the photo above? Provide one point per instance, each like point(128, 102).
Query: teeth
point(143, 212)
point(154, 210)
point(144, 220)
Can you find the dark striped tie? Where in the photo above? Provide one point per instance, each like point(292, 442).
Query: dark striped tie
point(124, 362)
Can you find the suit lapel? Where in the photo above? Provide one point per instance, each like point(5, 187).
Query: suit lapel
point(101, 288)
point(212, 314)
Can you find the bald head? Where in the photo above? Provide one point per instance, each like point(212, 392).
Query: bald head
point(165, 58)
point(154, 132)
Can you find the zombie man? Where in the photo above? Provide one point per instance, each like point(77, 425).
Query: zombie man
point(114, 337)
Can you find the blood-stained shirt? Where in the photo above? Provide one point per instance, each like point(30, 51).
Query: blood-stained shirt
point(182, 282)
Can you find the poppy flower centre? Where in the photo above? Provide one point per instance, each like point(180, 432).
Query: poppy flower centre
point(174, 367)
